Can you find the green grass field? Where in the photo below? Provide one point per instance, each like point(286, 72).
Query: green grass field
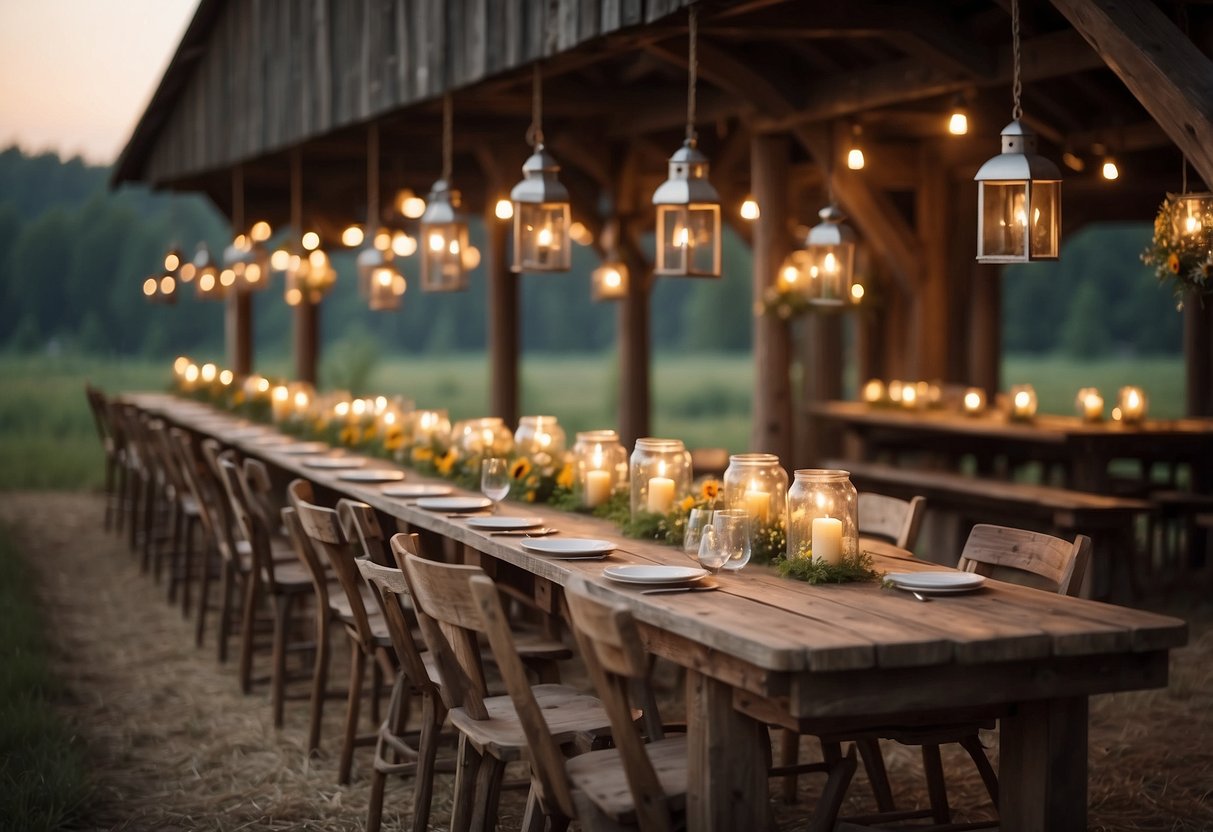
point(47, 438)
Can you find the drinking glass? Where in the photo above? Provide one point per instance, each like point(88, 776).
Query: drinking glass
point(698, 521)
point(495, 479)
point(732, 527)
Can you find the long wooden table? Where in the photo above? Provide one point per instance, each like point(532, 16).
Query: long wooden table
point(762, 649)
point(1083, 448)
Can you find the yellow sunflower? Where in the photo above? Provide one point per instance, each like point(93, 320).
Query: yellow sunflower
point(520, 468)
point(687, 503)
point(710, 489)
point(565, 478)
point(1173, 263)
point(421, 454)
point(348, 435)
point(446, 462)
point(394, 440)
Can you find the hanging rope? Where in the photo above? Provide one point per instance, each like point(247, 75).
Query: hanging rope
point(1017, 81)
point(447, 137)
point(1183, 24)
point(692, 70)
point(535, 134)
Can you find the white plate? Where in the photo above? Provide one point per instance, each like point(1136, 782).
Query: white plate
point(245, 433)
point(417, 489)
point(568, 546)
point(335, 462)
point(951, 581)
point(273, 439)
point(301, 448)
point(504, 524)
point(642, 574)
point(454, 503)
point(372, 475)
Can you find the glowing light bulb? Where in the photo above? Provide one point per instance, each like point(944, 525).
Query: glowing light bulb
point(383, 277)
point(544, 238)
point(294, 297)
point(280, 260)
point(857, 292)
point(612, 278)
point(149, 286)
point(1191, 225)
point(208, 372)
point(207, 282)
point(855, 160)
point(263, 385)
point(436, 242)
point(504, 209)
point(261, 231)
point(301, 400)
point(311, 240)
point(180, 364)
point(352, 236)
point(1022, 399)
point(789, 275)
point(681, 237)
point(403, 245)
point(453, 248)
point(191, 373)
point(1109, 169)
point(958, 123)
point(171, 262)
point(383, 241)
point(226, 377)
point(411, 205)
point(749, 209)
point(830, 263)
point(252, 273)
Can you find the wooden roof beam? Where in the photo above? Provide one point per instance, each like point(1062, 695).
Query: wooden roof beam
point(1171, 78)
point(1046, 56)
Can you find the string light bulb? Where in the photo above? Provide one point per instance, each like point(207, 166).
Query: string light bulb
point(749, 209)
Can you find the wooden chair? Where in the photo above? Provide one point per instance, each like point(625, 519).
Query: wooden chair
point(184, 517)
point(283, 583)
point(456, 604)
point(636, 783)
point(369, 639)
point(1017, 556)
point(99, 406)
point(206, 495)
point(892, 519)
point(416, 679)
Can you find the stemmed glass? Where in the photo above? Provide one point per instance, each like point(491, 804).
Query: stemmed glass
point(495, 479)
point(698, 521)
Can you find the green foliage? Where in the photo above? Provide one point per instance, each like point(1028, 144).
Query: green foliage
point(42, 773)
point(1181, 261)
point(349, 365)
point(857, 567)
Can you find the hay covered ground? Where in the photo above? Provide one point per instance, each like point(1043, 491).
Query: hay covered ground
point(172, 744)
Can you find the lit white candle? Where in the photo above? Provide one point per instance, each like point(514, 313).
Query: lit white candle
point(661, 495)
point(1092, 407)
point(280, 403)
point(827, 539)
point(598, 488)
point(758, 504)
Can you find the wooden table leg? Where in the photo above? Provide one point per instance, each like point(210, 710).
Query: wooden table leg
point(730, 754)
point(1043, 766)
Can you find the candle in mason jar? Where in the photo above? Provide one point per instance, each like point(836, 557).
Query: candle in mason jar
point(598, 487)
point(827, 539)
point(757, 504)
point(974, 401)
point(661, 494)
point(280, 402)
point(1090, 404)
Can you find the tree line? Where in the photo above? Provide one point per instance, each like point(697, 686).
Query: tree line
point(73, 256)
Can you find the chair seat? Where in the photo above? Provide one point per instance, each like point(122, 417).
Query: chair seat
point(602, 777)
point(533, 644)
point(280, 550)
point(570, 715)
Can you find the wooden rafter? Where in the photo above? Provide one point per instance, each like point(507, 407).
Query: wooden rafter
point(1171, 78)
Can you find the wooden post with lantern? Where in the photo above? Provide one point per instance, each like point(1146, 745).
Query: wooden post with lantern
point(307, 313)
point(238, 313)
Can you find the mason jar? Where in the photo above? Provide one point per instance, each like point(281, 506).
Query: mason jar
point(538, 437)
point(823, 515)
point(660, 474)
point(758, 484)
point(486, 436)
point(601, 465)
point(425, 427)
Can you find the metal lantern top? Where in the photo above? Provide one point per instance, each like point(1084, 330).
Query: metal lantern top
point(1018, 161)
point(203, 260)
point(688, 179)
point(442, 206)
point(540, 183)
point(831, 231)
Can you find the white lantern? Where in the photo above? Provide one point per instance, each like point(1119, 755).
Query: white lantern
point(206, 274)
point(444, 238)
point(609, 281)
point(386, 288)
point(541, 217)
point(688, 218)
point(831, 248)
point(1018, 202)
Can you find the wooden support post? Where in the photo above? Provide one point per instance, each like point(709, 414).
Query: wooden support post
point(930, 303)
point(503, 317)
point(307, 314)
point(1043, 765)
point(771, 422)
point(238, 313)
point(985, 329)
point(633, 338)
point(1198, 355)
point(822, 382)
point(1159, 64)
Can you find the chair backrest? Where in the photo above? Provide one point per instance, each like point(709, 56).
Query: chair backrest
point(391, 591)
point(891, 518)
point(1029, 558)
point(454, 604)
point(211, 474)
point(248, 520)
point(261, 491)
point(193, 479)
point(98, 405)
point(300, 491)
point(323, 529)
point(616, 660)
point(166, 458)
point(361, 525)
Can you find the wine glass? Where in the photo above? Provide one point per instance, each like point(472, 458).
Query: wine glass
point(495, 479)
point(737, 538)
point(698, 521)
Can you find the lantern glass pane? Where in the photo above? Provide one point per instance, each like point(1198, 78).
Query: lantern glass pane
point(541, 237)
point(1002, 220)
point(1193, 219)
point(831, 272)
point(609, 281)
point(688, 242)
point(442, 264)
point(1045, 220)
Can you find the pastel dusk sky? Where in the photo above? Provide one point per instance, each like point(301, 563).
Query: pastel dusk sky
point(75, 75)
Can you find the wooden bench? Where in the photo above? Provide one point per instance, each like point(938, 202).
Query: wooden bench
point(1108, 521)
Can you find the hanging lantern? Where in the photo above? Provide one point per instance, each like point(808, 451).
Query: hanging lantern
point(610, 280)
point(160, 289)
point(688, 207)
point(1192, 220)
point(540, 204)
point(207, 275)
point(371, 257)
point(249, 263)
point(1018, 192)
point(444, 228)
point(831, 248)
point(386, 288)
point(309, 276)
point(541, 217)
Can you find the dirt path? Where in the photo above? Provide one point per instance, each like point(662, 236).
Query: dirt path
point(173, 744)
